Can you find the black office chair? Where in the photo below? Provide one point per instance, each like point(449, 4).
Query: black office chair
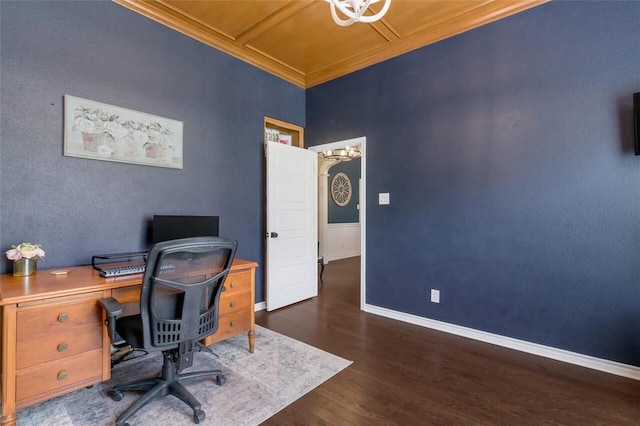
point(178, 307)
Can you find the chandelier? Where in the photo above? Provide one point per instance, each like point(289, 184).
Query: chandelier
point(341, 154)
point(354, 11)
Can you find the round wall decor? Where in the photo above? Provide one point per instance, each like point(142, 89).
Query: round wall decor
point(341, 189)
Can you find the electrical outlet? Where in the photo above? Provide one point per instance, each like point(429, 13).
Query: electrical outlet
point(435, 295)
point(383, 198)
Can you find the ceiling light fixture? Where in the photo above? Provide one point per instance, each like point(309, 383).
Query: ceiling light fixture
point(341, 154)
point(354, 10)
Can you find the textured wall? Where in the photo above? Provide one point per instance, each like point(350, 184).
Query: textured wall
point(348, 213)
point(101, 51)
point(507, 151)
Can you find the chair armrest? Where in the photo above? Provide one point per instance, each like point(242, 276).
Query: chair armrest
point(111, 306)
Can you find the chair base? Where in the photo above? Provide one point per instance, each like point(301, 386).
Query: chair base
point(169, 383)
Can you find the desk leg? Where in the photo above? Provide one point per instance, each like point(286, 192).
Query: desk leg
point(252, 326)
point(252, 340)
point(9, 347)
point(9, 420)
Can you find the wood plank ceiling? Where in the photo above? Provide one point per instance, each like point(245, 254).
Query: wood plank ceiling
point(298, 41)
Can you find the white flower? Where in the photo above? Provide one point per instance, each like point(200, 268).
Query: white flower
point(155, 135)
point(13, 254)
point(85, 125)
point(140, 137)
point(167, 140)
point(115, 129)
point(104, 151)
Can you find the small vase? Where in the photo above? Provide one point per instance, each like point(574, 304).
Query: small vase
point(152, 150)
point(24, 267)
point(93, 141)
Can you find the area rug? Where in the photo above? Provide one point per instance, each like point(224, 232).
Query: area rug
point(258, 385)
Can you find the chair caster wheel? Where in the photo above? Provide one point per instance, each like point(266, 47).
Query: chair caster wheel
point(221, 380)
point(198, 416)
point(117, 396)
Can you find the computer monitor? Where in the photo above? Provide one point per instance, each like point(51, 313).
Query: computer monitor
point(172, 227)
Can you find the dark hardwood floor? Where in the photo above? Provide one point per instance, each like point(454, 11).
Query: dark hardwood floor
point(409, 375)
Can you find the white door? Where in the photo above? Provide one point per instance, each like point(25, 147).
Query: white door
point(292, 225)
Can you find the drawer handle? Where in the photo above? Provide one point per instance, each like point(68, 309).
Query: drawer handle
point(63, 317)
point(233, 284)
point(62, 347)
point(62, 375)
point(232, 304)
point(233, 324)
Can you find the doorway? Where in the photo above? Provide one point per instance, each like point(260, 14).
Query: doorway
point(323, 191)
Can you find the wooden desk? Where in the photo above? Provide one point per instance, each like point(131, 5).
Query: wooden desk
point(53, 336)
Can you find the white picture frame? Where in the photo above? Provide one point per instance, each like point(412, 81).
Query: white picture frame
point(105, 132)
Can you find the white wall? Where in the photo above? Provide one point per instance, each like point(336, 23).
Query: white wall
point(343, 240)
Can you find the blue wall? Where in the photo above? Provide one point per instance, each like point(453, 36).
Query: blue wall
point(507, 152)
point(348, 213)
point(101, 51)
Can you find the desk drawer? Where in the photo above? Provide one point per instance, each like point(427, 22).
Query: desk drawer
point(234, 302)
point(57, 346)
point(36, 321)
point(127, 294)
point(55, 378)
point(237, 282)
point(230, 325)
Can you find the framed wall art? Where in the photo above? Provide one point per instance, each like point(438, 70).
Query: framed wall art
point(341, 189)
point(106, 132)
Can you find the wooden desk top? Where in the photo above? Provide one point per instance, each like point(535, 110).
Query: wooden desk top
point(79, 279)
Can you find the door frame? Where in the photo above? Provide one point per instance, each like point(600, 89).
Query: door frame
point(360, 141)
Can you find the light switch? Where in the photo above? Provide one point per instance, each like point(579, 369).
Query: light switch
point(383, 198)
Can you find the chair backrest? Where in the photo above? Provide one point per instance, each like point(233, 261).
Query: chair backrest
point(181, 289)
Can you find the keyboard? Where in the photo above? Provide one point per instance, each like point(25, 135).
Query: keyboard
point(117, 271)
point(122, 270)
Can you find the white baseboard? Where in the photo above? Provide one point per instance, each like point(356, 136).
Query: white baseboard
point(343, 255)
point(260, 306)
point(594, 363)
